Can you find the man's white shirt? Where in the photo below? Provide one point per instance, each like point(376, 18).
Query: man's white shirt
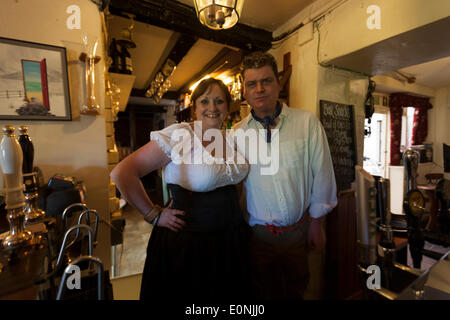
point(305, 176)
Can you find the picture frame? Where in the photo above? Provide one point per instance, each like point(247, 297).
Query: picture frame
point(34, 82)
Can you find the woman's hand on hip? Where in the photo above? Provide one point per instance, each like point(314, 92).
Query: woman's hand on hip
point(170, 220)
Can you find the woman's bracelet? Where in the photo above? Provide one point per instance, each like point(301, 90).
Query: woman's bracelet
point(152, 216)
point(155, 222)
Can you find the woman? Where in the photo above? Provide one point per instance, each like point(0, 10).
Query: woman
point(197, 249)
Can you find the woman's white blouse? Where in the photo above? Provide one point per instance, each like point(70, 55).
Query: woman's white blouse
point(192, 166)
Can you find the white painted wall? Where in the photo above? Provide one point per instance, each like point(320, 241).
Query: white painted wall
point(78, 147)
point(304, 76)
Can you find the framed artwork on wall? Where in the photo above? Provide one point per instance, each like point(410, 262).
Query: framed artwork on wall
point(34, 82)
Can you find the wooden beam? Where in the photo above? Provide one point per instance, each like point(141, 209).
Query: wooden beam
point(285, 76)
point(173, 15)
point(181, 47)
point(224, 60)
point(162, 59)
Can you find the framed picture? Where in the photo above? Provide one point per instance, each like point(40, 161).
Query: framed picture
point(33, 81)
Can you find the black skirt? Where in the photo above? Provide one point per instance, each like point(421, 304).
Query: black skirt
point(208, 259)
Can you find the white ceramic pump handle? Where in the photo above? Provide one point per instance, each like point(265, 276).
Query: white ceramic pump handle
point(11, 159)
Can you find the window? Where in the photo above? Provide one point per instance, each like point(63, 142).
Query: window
point(376, 145)
point(377, 151)
point(407, 128)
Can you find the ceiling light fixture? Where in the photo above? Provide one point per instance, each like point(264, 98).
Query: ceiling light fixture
point(218, 14)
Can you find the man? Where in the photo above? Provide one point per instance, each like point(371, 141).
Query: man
point(285, 209)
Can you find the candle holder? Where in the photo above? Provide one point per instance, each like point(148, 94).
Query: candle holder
point(90, 105)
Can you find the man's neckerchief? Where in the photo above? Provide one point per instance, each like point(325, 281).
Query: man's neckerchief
point(267, 121)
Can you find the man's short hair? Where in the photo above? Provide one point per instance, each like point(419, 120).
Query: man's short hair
point(259, 59)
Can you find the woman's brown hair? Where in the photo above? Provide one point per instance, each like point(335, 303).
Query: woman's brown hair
point(204, 85)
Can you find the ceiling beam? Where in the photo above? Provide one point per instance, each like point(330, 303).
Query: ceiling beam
point(182, 47)
point(173, 15)
point(162, 59)
point(177, 51)
point(224, 60)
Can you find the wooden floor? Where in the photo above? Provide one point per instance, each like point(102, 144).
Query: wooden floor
point(127, 287)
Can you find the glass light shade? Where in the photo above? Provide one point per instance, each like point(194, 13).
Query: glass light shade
point(150, 92)
point(90, 105)
point(167, 84)
point(159, 78)
point(160, 92)
point(168, 68)
point(218, 14)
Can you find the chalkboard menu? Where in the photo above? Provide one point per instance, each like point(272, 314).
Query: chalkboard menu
point(338, 122)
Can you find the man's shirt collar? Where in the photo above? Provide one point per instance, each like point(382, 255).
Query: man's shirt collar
point(284, 113)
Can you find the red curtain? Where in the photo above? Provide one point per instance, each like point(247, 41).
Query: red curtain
point(420, 128)
point(397, 102)
point(396, 134)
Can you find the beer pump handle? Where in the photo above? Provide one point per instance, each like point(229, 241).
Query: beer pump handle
point(27, 149)
point(11, 158)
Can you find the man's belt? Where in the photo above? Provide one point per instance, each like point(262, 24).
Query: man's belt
point(277, 230)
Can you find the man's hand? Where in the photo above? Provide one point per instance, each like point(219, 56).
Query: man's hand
point(316, 236)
